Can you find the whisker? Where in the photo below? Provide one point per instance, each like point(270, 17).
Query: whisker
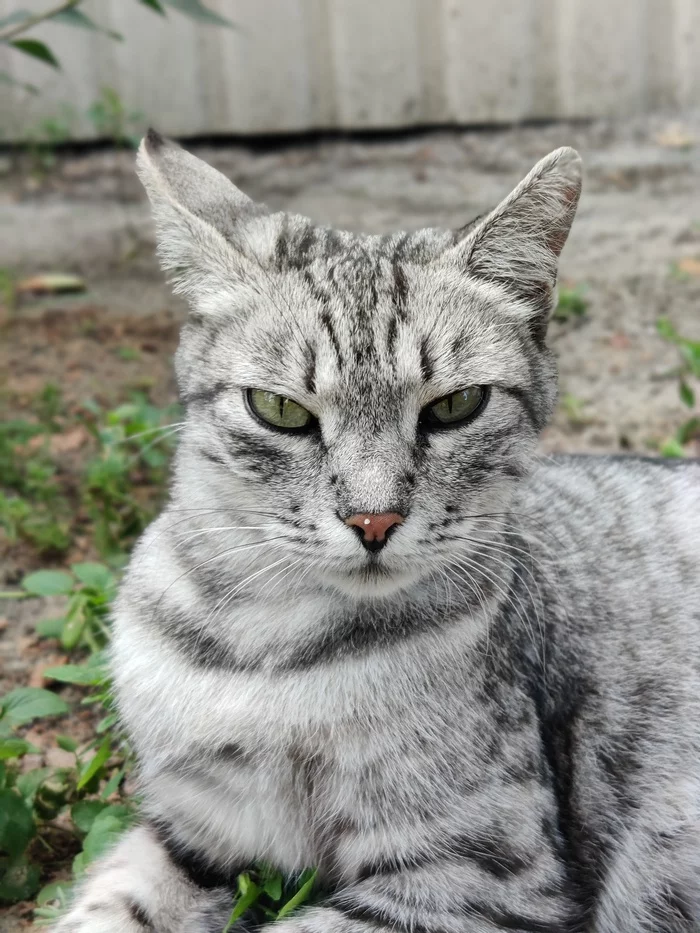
point(236, 589)
point(230, 550)
point(175, 426)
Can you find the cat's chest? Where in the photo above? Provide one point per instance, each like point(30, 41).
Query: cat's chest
point(294, 767)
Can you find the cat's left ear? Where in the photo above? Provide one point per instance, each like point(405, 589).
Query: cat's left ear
point(517, 245)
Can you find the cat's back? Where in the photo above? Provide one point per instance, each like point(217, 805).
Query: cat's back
point(628, 504)
point(618, 538)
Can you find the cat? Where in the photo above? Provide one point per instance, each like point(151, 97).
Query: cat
point(375, 633)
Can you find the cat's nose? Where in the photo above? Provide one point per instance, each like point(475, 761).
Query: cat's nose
point(374, 528)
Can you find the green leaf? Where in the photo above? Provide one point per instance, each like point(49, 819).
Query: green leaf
point(85, 812)
point(273, 887)
point(48, 583)
point(95, 764)
point(19, 881)
point(154, 5)
point(55, 891)
point(197, 10)
point(17, 17)
point(14, 748)
point(36, 49)
point(50, 628)
point(688, 431)
point(301, 896)
point(666, 329)
point(75, 17)
point(249, 892)
point(23, 704)
point(690, 352)
point(79, 864)
point(74, 622)
point(96, 576)
point(16, 823)
point(686, 393)
point(112, 785)
point(67, 743)
point(28, 784)
point(87, 675)
point(672, 448)
point(107, 827)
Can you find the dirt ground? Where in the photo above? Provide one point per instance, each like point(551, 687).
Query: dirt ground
point(638, 227)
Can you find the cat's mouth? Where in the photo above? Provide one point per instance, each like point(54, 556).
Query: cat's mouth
point(372, 578)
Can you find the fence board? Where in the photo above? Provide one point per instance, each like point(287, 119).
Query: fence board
point(295, 65)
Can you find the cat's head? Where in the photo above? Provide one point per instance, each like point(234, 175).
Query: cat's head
point(368, 396)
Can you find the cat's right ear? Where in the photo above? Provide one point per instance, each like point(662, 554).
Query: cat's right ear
point(198, 214)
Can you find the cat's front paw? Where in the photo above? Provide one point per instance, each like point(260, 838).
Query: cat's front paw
point(106, 915)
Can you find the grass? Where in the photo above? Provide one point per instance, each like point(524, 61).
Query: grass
point(117, 491)
point(572, 304)
point(687, 372)
point(55, 820)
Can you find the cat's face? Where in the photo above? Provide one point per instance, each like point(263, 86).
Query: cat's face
point(375, 399)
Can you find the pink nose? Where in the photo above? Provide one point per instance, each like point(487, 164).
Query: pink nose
point(374, 527)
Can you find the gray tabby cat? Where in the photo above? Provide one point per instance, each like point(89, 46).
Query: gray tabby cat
point(372, 632)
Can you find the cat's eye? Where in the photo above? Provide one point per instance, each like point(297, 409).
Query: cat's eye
point(455, 409)
point(278, 411)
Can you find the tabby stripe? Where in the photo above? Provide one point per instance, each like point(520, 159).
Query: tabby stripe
point(139, 915)
point(213, 458)
point(482, 851)
point(207, 395)
point(505, 920)
point(200, 871)
point(327, 324)
point(379, 918)
point(426, 364)
point(522, 397)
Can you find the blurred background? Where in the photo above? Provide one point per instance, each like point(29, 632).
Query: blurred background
point(366, 114)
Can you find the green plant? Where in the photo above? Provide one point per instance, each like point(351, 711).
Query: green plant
point(687, 372)
point(32, 504)
point(264, 894)
point(573, 408)
point(42, 139)
point(134, 450)
point(8, 288)
point(111, 118)
point(14, 26)
point(90, 588)
point(32, 837)
point(66, 812)
point(572, 304)
point(115, 495)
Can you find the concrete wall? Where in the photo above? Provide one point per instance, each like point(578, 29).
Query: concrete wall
point(294, 65)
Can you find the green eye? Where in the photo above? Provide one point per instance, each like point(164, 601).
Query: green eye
point(456, 408)
point(278, 411)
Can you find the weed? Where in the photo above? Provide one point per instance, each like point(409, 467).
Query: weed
point(113, 120)
point(573, 408)
point(8, 289)
point(572, 304)
point(42, 140)
point(32, 505)
point(134, 449)
point(687, 372)
point(118, 493)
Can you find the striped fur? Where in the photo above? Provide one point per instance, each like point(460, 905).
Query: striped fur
point(490, 725)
